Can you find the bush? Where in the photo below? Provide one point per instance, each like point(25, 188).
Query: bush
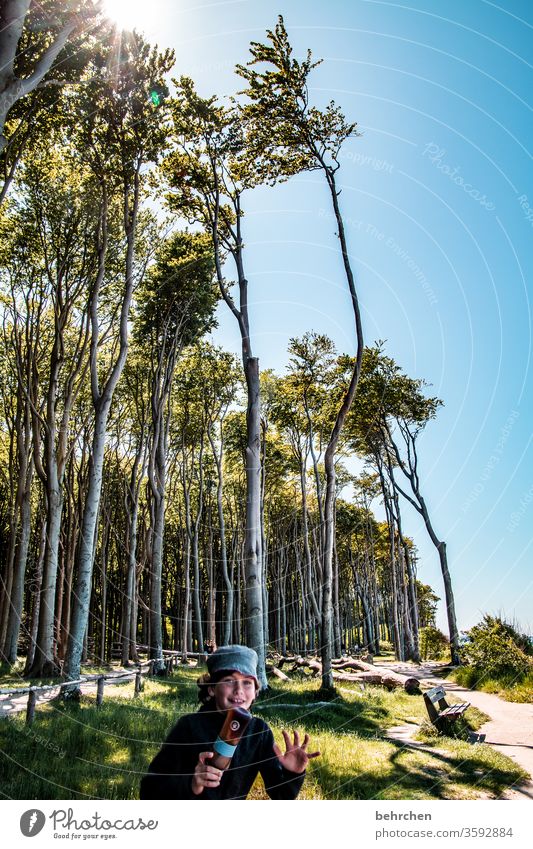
point(433, 643)
point(467, 676)
point(495, 651)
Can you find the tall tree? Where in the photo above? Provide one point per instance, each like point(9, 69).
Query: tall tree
point(52, 261)
point(19, 345)
point(124, 134)
point(221, 380)
point(387, 427)
point(209, 174)
point(285, 134)
point(176, 305)
point(402, 428)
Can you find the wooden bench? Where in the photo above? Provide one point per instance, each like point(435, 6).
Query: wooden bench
point(439, 711)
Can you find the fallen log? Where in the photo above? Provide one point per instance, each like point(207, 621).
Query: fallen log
point(360, 678)
point(284, 659)
point(277, 673)
point(314, 665)
point(351, 663)
point(366, 673)
point(394, 679)
point(389, 679)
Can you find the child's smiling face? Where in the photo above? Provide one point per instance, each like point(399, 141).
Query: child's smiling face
point(233, 690)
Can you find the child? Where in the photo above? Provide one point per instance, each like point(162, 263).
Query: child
point(182, 770)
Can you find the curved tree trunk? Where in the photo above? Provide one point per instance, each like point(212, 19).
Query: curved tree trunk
point(410, 470)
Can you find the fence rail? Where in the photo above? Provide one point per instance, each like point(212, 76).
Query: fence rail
point(144, 668)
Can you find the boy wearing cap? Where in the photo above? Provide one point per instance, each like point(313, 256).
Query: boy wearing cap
point(182, 769)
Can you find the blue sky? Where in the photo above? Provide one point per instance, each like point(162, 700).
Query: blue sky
point(438, 200)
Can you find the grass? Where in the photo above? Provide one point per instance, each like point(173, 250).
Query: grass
point(78, 751)
point(507, 687)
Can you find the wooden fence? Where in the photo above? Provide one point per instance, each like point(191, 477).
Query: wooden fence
point(146, 668)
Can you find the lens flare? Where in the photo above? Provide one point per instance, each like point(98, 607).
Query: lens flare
point(129, 14)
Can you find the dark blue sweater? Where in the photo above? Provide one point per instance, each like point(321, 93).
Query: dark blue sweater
point(170, 773)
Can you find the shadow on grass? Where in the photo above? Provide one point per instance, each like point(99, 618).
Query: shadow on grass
point(411, 774)
point(75, 751)
point(362, 717)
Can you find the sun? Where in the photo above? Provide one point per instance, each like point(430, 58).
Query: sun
point(129, 14)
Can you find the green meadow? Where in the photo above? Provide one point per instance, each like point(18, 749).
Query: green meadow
point(77, 751)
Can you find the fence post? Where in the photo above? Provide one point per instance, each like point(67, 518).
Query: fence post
point(100, 690)
point(30, 708)
point(138, 685)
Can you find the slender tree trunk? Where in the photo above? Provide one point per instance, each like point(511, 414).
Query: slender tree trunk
point(253, 555)
point(45, 660)
point(196, 554)
point(82, 588)
point(35, 590)
point(19, 572)
point(305, 535)
point(228, 617)
point(336, 604)
point(104, 629)
point(329, 459)
point(211, 599)
point(129, 620)
point(187, 591)
point(157, 488)
point(418, 502)
point(264, 545)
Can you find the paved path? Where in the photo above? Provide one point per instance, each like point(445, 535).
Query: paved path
point(509, 730)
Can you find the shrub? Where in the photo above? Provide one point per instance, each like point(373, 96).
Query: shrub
point(433, 643)
point(495, 650)
point(467, 676)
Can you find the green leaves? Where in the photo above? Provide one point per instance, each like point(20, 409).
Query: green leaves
point(496, 650)
point(178, 297)
point(209, 166)
point(118, 125)
point(284, 134)
point(387, 395)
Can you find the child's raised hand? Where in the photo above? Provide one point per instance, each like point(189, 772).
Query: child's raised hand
point(204, 774)
point(296, 756)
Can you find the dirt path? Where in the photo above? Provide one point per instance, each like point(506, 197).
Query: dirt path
point(509, 730)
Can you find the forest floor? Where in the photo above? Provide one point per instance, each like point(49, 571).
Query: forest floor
point(509, 729)
point(81, 751)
